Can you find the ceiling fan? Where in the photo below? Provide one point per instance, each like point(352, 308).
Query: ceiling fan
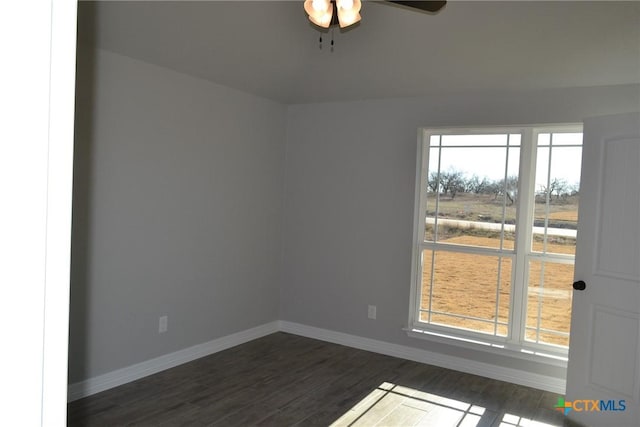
point(344, 13)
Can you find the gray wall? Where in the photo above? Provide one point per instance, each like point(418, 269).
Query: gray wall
point(178, 194)
point(349, 201)
point(186, 204)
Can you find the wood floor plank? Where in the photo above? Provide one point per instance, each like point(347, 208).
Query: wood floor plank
point(442, 417)
point(360, 408)
point(288, 380)
point(403, 415)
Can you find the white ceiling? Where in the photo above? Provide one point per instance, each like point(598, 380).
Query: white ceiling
point(268, 48)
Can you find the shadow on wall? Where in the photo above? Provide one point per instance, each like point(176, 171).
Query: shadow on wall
point(82, 183)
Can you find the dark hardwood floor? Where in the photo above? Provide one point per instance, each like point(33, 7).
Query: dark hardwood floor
point(286, 380)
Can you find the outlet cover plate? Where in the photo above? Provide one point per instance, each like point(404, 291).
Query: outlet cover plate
point(163, 323)
point(371, 313)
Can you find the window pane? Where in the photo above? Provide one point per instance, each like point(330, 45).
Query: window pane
point(567, 138)
point(557, 193)
point(425, 288)
point(462, 291)
point(472, 191)
point(549, 302)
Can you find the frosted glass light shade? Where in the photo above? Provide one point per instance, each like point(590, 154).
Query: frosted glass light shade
point(320, 12)
point(313, 6)
point(345, 19)
point(348, 12)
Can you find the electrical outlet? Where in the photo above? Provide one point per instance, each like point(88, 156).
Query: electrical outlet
point(371, 313)
point(163, 324)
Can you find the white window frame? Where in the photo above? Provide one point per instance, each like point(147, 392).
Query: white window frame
point(514, 344)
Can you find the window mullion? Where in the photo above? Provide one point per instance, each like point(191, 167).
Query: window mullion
point(504, 215)
point(524, 225)
point(435, 226)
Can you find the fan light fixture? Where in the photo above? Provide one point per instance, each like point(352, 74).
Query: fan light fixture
point(325, 13)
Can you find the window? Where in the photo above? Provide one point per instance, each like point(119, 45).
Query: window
point(495, 236)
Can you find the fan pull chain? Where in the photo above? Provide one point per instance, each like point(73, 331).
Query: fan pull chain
point(332, 40)
point(320, 41)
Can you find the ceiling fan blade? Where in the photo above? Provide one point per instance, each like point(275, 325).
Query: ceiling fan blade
point(426, 6)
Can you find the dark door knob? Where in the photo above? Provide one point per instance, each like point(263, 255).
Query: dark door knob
point(579, 285)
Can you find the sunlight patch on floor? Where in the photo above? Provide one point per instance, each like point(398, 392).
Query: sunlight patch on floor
point(510, 420)
point(394, 405)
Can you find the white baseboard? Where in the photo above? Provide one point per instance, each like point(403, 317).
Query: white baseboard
point(139, 370)
point(515, 376)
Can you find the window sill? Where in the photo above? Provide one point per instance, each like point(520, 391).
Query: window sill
point(502, 349)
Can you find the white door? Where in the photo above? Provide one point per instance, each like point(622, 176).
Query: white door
point(603, 378)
